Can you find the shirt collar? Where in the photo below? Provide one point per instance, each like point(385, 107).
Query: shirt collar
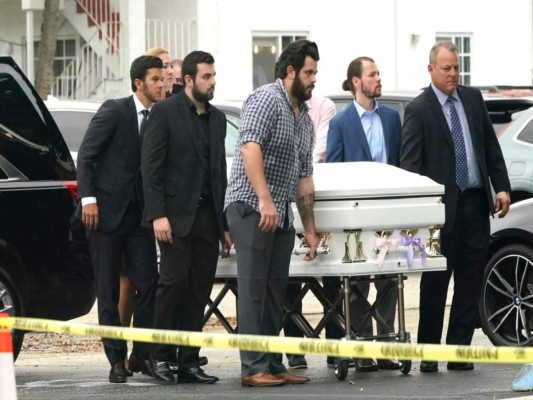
point(139, 107)
point(442, 97)
point(360, 110)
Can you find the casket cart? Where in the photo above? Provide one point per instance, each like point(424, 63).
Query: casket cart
point(376, 222)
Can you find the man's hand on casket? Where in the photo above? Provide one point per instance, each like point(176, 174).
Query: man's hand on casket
point(312, 241)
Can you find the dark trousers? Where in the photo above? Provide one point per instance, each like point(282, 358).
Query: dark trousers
point(107, 249)
point(290, 329)
point(263, 260)
point(186, 276)
point(386, 307)
point(332, 287)
point(465, 248)
point(364, 327)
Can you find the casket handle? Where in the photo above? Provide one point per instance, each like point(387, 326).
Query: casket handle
point(323, 246)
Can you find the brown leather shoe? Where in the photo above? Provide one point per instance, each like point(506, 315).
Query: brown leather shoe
point(388, 364)
point(365, 365)
point(262, 379)
point(291, 379)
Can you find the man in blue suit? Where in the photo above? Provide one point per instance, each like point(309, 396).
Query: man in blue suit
point(365, 131)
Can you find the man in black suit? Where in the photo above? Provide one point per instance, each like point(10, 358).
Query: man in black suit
point(109, 161)
point(448, 136)
point(184, 177)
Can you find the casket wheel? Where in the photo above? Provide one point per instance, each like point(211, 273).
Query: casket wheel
point(341, 369)
point(405, 366)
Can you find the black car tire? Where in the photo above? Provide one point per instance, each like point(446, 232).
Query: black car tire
point(11, 303)
point(506, 304)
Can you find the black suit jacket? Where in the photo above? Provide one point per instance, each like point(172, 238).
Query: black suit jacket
point(171, 164)
point(428, 148)
point(109, 159)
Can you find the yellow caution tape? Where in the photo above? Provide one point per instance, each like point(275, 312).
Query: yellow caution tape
point(277, 344)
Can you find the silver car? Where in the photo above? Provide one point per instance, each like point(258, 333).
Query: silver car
point(516, 141)
point(506, 305)
point(73, 117)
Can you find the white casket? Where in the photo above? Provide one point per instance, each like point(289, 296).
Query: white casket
point(373, 219)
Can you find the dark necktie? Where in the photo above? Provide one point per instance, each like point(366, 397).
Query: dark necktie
point(143, 124)
point(461, 167)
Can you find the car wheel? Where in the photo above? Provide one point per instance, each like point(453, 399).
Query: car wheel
point(11, 303)
point(506, 304)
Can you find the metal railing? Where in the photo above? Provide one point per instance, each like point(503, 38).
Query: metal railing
point(105, 16)
point(99, 58)
point(179, 37)
point(81, 77)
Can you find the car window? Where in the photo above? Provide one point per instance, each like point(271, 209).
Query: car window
point(342, 103)
point(527, 133)
point(29, 139)
point(73, 125)
point(232, 134)
point(397, 105)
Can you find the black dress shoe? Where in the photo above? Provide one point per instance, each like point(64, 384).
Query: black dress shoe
point(118, 373)
point(202, 360)
point(297, 361)
point(365, 365)
point(195, 375)
point(136, 364)
point(460, 366)
point(429, 366)
point(162, 372)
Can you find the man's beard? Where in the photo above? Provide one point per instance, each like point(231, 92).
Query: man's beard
point(151, 97)
point(370, 94)
point(201, 97)
point(298, 90)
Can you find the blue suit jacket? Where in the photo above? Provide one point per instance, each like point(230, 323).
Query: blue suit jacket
point(347, 140)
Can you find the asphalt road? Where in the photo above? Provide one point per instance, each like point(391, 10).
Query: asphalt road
point(84, 375)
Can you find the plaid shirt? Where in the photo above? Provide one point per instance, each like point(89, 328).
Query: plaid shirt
point(287, 145)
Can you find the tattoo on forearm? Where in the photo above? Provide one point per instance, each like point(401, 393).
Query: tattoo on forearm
point(305, 204)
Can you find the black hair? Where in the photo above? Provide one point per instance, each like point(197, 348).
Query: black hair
point(294, 54)
point(140, 66)
point(191, 61)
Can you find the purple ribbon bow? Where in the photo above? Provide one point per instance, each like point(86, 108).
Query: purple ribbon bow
point(411, 243)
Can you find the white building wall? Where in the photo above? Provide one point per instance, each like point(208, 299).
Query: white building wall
point(13, 30)
point(398, 34)
point(502, 39)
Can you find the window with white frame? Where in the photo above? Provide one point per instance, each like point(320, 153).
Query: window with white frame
point(462, 42)
point(65, 54)
point(266, 49)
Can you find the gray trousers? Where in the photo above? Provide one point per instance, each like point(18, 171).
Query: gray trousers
point(263, 260)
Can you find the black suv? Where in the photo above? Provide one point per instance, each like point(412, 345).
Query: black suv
point(45, 269)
